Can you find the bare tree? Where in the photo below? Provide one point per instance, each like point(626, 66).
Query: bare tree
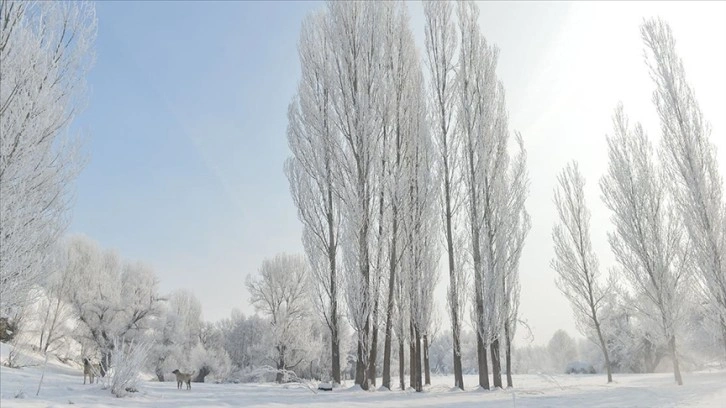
point(311, 172)
point(647, 241)
point(45, 53)
point(440, 52)
point(690, 161)
point(575, 261)
point(280, 292)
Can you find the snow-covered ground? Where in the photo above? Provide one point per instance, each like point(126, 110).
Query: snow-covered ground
point(63, 385)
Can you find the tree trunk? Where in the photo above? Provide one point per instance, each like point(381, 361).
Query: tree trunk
point(387, 354)
point(426, 358)
point(336, 356)
point(458, 373)
point(419, 383)
point(42, 328)
point(365, 269)
point(402, 365)
point(158, 370)
point(204, 372)
point(455, 329)
point(412, 357)
point(360, 368)
point(52, 329)
point(159, 374)
point(508, 353)
point(604, 348)
point(483, 366)
point(674, 356)
point(373, 356)
point(105, 362)
point(42, 334)
point(496, 365)
point(476, 257)
point(389, 305)
point(332, 249)
point(280, 365)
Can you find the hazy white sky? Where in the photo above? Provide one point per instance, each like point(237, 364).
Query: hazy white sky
point(187, 121)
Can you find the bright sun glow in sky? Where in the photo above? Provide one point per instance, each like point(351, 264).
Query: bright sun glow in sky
point(186, 128)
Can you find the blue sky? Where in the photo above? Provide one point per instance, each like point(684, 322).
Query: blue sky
point(186, 128)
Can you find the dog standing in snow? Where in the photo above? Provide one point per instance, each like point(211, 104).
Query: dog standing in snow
point(91, 370)
point(183, 378)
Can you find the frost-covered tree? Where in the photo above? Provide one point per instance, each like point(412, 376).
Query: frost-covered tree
point(356, 38)
point(439, 353)
point(111, 299)
point(187, 310)
point(515, 227)
point(476, 122)
point(176, 330)
point(575, 261)
point(496, 188)
point(280, 292)
point(165, 352)
point(403, 122)
point(530, 359)
point(690, 161)
point(208, 356)
point(441, 50)
point(46, 49)
point(648, 239)
point(312, 171)
point(246, 340)
point(632, 345)
point(419, 268)
point(562, 350)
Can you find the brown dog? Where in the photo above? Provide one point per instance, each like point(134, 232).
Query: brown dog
point(183, 378)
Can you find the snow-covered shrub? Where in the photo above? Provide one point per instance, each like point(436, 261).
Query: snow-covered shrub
point(127, 359)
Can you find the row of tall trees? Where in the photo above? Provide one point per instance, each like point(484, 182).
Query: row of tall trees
point(668, 213)
point(386, 157)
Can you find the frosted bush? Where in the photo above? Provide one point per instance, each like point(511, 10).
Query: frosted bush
point(127, 359)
